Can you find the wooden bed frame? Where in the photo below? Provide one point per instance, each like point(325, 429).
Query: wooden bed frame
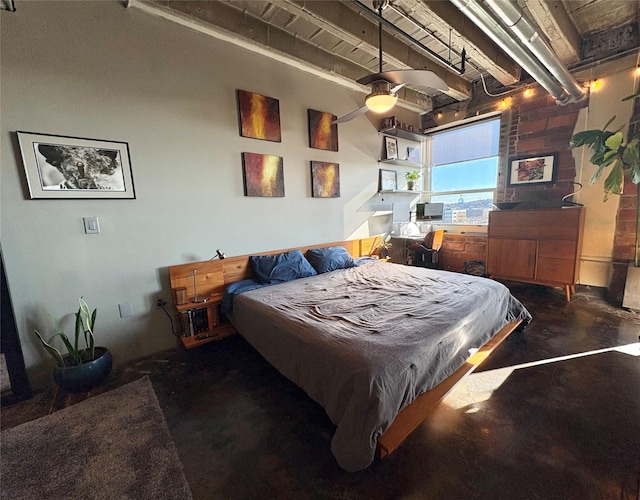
point(213, 276)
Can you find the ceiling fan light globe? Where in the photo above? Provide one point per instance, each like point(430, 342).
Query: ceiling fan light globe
point(380, 102)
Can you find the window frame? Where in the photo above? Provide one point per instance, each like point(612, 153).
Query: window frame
point(428, 193)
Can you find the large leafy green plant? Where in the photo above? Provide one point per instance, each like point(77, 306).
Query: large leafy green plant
point(608, 150)
point(76, 355)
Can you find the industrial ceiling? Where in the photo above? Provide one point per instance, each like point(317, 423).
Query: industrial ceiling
point(506, 44)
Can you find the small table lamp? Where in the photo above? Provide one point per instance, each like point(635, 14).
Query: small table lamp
point(197, 298)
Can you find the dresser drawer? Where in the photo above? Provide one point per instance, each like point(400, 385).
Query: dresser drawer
point(559, 249)
point(555, 270)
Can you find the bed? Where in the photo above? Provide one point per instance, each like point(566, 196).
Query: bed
point(368, 341)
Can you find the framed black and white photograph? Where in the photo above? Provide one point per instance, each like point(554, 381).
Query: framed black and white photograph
point(388, 180)
point(391, 148)
point(531, 169)
point(59, 167)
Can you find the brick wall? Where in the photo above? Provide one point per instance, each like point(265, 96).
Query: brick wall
point(539, 126)
point(459, 248)
point(624, 240)
point(624, 236)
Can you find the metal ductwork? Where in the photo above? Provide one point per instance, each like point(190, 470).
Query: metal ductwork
point(528, 49)
point(514, 17)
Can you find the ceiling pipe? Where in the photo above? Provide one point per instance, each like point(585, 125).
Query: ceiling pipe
point(513, 17)
point(485, 21)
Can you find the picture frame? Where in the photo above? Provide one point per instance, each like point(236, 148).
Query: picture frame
point(263, 175)
point(532, 169)
point(323, 134)
point(387, 123)
point(388, 180)
point(391, 148)
point(65, 167)
point(259, 116)
point(325, 179)
point(413, 154)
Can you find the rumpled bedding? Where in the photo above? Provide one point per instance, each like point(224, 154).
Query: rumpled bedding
point(364, 342)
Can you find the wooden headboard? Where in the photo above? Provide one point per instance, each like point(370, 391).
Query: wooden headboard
point(214, 275)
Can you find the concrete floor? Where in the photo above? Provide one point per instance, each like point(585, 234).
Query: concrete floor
point(554, 413)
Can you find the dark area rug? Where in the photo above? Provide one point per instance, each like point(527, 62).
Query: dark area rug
point(115, 445)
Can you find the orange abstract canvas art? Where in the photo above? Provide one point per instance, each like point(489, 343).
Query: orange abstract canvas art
point(322, 133)
point(263, 175)
point(259, 116)
point(325, 179)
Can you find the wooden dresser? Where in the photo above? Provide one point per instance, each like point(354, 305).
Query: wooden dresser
point(540, 246)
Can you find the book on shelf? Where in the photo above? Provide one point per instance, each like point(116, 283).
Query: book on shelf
point(201, 320)
point(196, 321)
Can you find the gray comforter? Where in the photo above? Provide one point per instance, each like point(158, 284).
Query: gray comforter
point(365, 342)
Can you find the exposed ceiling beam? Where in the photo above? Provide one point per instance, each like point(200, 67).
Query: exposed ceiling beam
point(344, 22)
point(222, 21)
point(553, 19)
point(481, 50)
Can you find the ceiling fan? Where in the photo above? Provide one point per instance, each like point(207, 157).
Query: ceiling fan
point(383, 96)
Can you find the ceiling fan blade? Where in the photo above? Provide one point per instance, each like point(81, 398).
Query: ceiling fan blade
point(397, 87)
point(350, 116)
point(418, 77)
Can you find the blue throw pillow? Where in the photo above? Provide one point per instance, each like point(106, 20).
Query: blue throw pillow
point(281, 267)
point(328, 259)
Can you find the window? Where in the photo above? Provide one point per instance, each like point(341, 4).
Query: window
point(463, 171)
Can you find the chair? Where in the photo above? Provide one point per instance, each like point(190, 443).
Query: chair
point(425, 253)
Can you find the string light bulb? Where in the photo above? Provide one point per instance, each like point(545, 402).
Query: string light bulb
point(595, 85)
point(528, 93)
point(505, 103)
point(439, 115)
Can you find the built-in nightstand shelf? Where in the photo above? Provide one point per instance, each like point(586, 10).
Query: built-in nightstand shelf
point(202, 322)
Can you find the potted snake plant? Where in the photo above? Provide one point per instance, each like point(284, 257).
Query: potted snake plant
point(83, 367)
point(608, 150)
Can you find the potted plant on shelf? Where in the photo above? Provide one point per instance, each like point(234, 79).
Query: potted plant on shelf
point(412, 177)
point(608, 150)
point(82, 368)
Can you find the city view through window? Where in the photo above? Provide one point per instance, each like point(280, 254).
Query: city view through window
point(466, 209)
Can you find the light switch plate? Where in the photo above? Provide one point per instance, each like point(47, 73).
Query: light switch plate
point(91, 225)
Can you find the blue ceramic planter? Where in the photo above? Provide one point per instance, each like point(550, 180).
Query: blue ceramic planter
point(86, 376)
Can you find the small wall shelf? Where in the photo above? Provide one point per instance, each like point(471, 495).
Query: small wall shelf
point(404, 163)
point(404, 134)
point(402, 191)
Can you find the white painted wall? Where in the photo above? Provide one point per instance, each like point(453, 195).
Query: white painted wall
point(98, 70)
point(605, 102)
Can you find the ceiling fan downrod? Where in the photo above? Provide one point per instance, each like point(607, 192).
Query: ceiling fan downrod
point(380, 5)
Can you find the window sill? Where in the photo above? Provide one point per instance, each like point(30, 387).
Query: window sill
point(463, 230)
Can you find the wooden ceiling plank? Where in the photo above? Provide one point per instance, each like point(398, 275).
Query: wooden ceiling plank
point(337, 18)
point(554, 21)
point(235, 26)
point(480, 48)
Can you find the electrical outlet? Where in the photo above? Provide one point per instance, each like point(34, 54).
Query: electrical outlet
point(125, 310)
point(160, 302)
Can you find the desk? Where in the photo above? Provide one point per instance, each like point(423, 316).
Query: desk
point(399, 247)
